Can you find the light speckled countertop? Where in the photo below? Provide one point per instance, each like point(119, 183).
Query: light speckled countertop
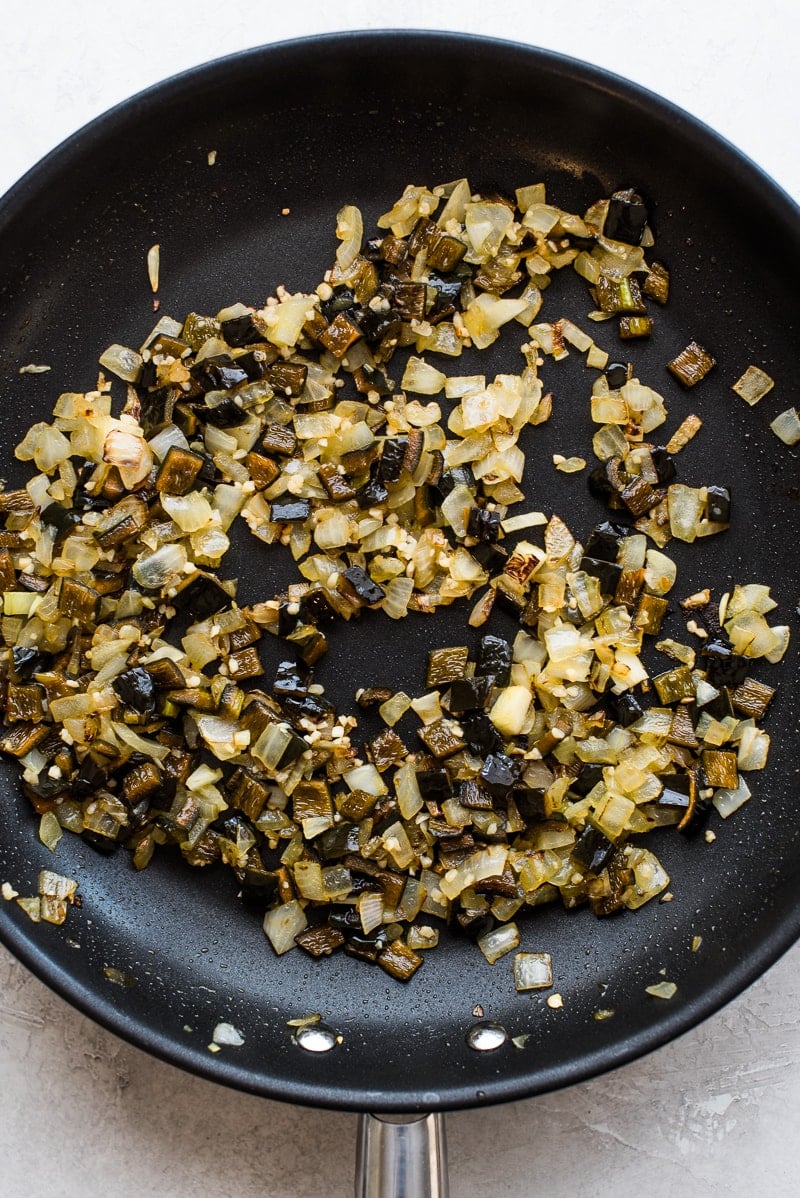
point(81, 1112)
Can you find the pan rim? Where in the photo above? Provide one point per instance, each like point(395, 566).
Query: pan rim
point(222, 1069)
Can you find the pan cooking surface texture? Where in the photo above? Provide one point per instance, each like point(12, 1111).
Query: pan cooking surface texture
point(352, 119)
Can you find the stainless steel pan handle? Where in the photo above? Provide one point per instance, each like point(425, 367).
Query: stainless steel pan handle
point(401, 1156)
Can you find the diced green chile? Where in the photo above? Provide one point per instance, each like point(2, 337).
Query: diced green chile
point(604, 540)
point(241, 330)
point(593, 850)
point(362, 586)
point(459, 476)
point(290, 679)
point(136, 690)
point(483, 524)
point(624, 709)
point(219, 374)
point(498, 774)
point(315, 607)
point(372, 494)
point(447, 665)
point(434, 784)
point(468, 694)
point(226, 414)
point(626, 217)
point(722, 665)
point(591, 773)
point(494, 659)
point(392, 457)
point(664, 465)
point(279, 439)
point(320, 941)
point(480, 733)
point(607, 573)
point(718, 505)
point(202, 596)
point(530, 802)
point(616, 375)
point(28, 661)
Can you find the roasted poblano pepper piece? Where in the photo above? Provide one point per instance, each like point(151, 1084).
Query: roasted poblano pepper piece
point(691, 365)
point(631, 327)
point(440, 739)
point(674, 686)
point(446, 665)
point(399, 960)
point(179, 471)
point(626, 217)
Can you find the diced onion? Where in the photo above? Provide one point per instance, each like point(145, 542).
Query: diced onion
point(753, 385)
point(501, 940)
point(787, 426)
point(153, 266)
point(350, 230)
point(665, 990)
point(532, 971)
point(283, 923)
point(727, 801)
point(398, 593)
point(510, 710)
point(123, 362)
point(395, 708)
point(227, 1035)
point(422, 378)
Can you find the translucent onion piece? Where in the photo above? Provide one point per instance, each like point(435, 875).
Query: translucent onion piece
point(422, 378)
point(486, 225)
point(227, 1035)
point(370, 910)
point(568, 465)
point(787, 426)
point(140, 743)
point(165, 439)
point(126, 449)
point(398, 593)
point(533, 971)
point(393, 709)
point(753, 748)
point(398, 845)
point(727, 801)
point(284, 321)
point(660, 572)
point(155, 570)
point(685, 510)
point(458, 196)
point(499, 941)
point(282, 924)
point(753, 385)
point(50, 831)
point(609, 442)
point(45, 445)
point(123, 362)
point(510, 710)
point(350, 230)
point(366, 777)
point(457, 386)
point(664, 990)
point(153, 266)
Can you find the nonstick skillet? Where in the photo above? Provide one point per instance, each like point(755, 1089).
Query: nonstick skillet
point(352, 118)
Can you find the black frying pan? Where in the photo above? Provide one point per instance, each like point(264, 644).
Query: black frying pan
point(353, 118)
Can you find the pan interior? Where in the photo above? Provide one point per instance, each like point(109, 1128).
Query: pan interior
point(352, 119)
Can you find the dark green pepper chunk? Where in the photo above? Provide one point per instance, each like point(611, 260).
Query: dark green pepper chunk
point(400, 961)
point(446, 665)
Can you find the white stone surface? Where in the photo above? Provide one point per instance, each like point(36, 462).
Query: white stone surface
point(82, 1114)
